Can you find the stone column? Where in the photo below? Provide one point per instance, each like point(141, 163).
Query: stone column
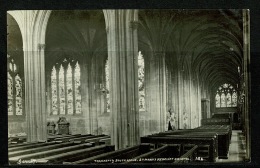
point(33, 26)
point(247, 83)
point(122, 58)
point(180, 98)
point(157, 88)
point(35, 103)
point(199, 102)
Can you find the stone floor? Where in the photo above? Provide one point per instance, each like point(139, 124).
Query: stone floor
point(237, 148)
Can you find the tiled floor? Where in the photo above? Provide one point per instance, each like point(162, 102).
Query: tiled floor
point(236, 149)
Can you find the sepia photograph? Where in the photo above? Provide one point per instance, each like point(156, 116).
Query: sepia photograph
point(128, 86)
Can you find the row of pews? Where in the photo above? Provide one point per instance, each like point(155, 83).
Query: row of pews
point(17, 139)
point(203, 144)
point(212, 138)
point(58, 149)
point(95, 149)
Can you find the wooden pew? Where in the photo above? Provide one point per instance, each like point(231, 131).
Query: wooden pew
point(41, 148)
point(97, 140)
point(223, 138)
point(210, 140)
point(169, 151)
point(118, 156)
point(14, 160)
point(66, 139)
point(53, 137)
point(216, 121)
point(50, 138)
point(222, 115)
point(30, 145)
point(217, 128)
point(78, 154)
point(190, 155)
point(17, 139)
point(22, 144)
point(80, 138)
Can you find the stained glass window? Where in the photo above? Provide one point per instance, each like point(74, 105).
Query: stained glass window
point(234, 99)
point(217, 100)
point(228, 100)
point(223, 100)
point(15, 90)
point(54, 91)
point(65, 87)
point(10, 94)
point(69, 90)
point(77, 87)
point(107, 85)
point(226, 96)
point(18, 88)
point(141, 83)
point(62, 90)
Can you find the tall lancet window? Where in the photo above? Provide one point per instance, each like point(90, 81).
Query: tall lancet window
point(54, 91)
point(77, 88)
point(65, 88)
point(15, 89)
point(107, 86)
point(228, 100)
point(223, 100)
point(62, 89)
point(226, 96)
point(217, 100)
point(141, 82)
point(69, 90)
point(234, 99)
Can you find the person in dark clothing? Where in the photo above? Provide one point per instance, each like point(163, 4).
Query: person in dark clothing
point(169, 119)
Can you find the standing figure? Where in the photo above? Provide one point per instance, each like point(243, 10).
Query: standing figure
point(171, 120)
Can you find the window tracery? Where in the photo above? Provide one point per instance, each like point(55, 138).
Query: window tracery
point(65, 87)
point(107, 86)
point(141, 82)
point(15, 89)
point(226, 96)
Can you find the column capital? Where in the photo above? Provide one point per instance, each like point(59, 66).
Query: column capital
point(41, 46)
point(134, 24)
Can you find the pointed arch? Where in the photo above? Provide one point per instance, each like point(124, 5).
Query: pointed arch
point(226, 96)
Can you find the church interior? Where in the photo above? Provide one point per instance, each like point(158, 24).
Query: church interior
point(128, 86)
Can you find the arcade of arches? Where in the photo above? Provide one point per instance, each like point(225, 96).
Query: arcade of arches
point(119, 72)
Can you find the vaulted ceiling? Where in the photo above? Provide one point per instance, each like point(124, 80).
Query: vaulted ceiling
point(209, 43)
point(77, 34)
point(206, 42)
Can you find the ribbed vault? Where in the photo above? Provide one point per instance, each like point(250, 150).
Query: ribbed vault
point(209, 41)
point(75, 33)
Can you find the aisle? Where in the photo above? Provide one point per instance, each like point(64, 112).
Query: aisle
point(237, 148)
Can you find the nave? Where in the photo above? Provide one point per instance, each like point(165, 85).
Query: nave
point(133, 85)
point(214, 141)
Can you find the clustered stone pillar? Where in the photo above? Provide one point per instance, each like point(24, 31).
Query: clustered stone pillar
point(35, 94)
point(157, 93)
point(246, 62)
point(34, 76)
point(122, 57)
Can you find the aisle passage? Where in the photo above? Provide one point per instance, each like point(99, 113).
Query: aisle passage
point(237, 148)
